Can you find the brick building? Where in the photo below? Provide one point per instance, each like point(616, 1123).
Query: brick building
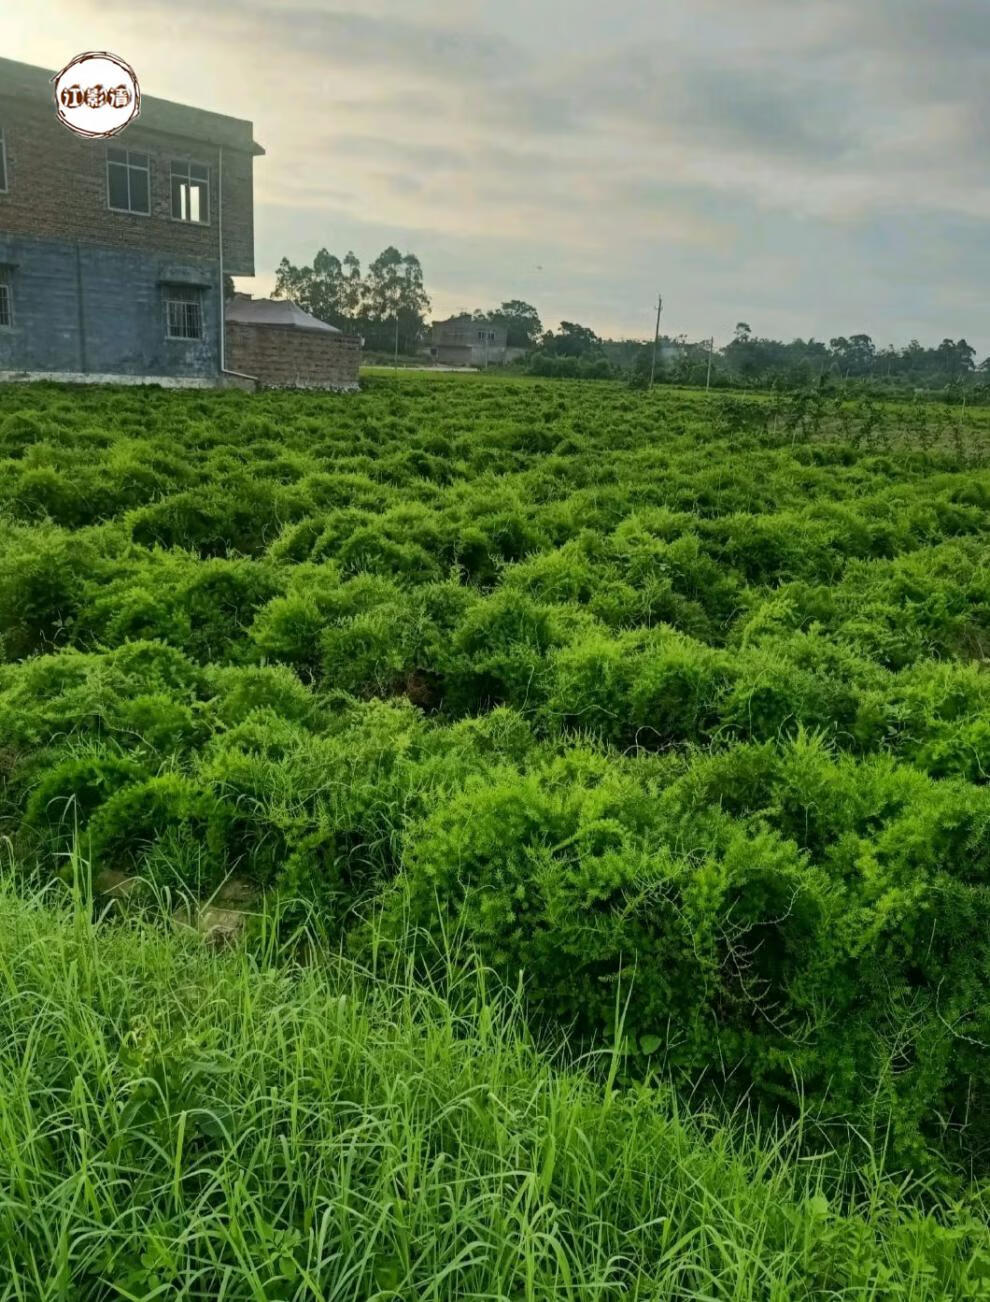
point(280, 345)
point(465, 341)
point(113, 252)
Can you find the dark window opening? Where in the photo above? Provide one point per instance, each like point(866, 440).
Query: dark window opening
point(6, 301)
point(3, 163)
point(183, 313)
point(129, 181)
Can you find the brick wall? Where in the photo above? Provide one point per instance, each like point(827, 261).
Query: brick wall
point(288, 357)
point(238, 212)
point(57, 186)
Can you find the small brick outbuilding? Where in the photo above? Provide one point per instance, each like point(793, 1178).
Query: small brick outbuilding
point(281, 345)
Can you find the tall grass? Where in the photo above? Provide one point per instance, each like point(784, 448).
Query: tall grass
point(271, 1122)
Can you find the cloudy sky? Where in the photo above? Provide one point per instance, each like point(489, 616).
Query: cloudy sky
point(813, 167)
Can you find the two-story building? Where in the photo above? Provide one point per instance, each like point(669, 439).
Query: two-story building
point(468, 341)
point(114, 253)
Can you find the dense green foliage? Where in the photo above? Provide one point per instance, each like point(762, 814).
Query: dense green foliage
point(677, 708)
point(749, 359)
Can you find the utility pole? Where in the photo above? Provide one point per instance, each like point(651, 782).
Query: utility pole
point(656, 336)
point(395, 359)
point(711, 349)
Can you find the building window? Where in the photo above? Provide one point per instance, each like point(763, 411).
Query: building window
point(3, 163)
point(128, 181)
point(190, 192)
point(183, 313)
point(6, 300)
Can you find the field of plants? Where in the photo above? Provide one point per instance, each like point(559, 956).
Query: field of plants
point(604, 776)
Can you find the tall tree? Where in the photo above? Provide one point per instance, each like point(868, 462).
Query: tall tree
point(854, 356)
point(572, 340)
point(319, 288)
point(336, 292)
point(522, 322)
point(957, 358)
point(394, 281)
point(352, 292)
point(291, 281)
point(394, 292)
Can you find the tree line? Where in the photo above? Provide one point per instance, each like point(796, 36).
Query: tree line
point(387, 304)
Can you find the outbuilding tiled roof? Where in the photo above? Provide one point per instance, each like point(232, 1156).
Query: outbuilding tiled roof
point(274, 312)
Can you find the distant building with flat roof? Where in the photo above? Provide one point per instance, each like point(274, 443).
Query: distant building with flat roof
point(465, 341)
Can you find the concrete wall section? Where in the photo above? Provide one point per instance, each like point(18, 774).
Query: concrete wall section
point(96, 377)
point(83, 308)
point(45, 333)
point(453, 354)
point(462, 341)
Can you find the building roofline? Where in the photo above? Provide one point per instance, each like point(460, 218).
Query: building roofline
point(468, 319)
point(25, 80)
point(274, 313)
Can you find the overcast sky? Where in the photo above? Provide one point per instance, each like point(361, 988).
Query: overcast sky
point(812, 167)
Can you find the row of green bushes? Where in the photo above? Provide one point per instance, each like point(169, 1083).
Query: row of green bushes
point(887, 659)
point(774, 918)
point(528, 445)
point(651, 565)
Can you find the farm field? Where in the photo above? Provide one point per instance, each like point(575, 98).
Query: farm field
point(602, 776)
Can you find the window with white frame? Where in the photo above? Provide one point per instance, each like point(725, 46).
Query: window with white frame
point(183, 312)
point(6, 300)
point(190, 192)
point(3, 162)
point(128, 181)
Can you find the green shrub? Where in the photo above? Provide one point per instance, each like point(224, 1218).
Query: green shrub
point(573, 875)
point(499, 651)
point(70, 791)
point(242, 516)
point(41, 577)
point(165, 827)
